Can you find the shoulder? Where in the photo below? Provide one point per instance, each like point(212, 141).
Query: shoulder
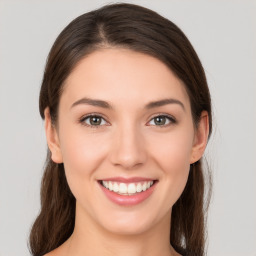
point(59, 251)
point(49, 254)
point(52, 253)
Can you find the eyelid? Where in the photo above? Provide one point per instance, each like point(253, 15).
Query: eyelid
point(83, 118)
point(171, 118)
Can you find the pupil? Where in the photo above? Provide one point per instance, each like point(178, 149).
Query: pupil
point(95, 120)
point(160, 120)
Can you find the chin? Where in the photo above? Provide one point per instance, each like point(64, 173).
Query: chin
point(130, 223)
point(127, 229)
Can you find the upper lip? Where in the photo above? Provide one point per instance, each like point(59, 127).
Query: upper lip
point(127, 180)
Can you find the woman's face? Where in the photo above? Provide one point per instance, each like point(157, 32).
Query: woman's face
point(124, 125)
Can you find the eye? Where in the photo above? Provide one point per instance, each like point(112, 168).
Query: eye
point(93, 120)
point(162, 120)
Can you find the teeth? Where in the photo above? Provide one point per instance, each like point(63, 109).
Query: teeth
point(131, 188)
point(110, 186)
point(144, 186)
point(139, 187)
point(105, 184)
point(127, 188)
point(115, 187)
point(123, 188)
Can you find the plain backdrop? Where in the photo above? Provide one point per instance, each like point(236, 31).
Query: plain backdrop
point(224, 35)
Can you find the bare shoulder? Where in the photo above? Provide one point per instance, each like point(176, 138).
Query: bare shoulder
point(55, 252)
point(59, 251)
point(52, 253)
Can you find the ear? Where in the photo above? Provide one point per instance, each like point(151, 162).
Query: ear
point(52, 138)
point(201, 137)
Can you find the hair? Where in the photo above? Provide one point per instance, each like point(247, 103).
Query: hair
point(142, 30)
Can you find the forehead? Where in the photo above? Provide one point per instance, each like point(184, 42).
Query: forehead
point(123, 76)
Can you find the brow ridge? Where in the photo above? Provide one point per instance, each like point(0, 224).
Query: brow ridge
point(160, 103)
point(105, 104)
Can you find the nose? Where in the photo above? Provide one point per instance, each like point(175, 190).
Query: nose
point(128, 148)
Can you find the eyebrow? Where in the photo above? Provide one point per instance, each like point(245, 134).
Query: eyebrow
point(105, 104)
point(92, 102)
point(163, 102)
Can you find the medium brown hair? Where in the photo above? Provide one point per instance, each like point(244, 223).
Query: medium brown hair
point(139, 29)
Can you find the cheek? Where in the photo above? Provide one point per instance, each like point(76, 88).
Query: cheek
point(80, 147)
point(172, 154)
point(82, 154)
point(172, 151)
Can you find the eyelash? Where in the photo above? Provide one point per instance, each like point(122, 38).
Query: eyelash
point(170, 118)
point(82, 120)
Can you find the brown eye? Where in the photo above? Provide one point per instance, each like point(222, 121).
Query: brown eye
point(94, 121)
point(162, 120)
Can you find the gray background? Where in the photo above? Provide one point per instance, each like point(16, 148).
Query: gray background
point(224, 36)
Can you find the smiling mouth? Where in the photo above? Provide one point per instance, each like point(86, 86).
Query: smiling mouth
point(127, 189)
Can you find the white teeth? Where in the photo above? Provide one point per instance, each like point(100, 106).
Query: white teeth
point(115, 187)
point(131, 188)
point(105, 184)
point(139, 187)
point(123, 188)
point(127, 188)
point(144, 186)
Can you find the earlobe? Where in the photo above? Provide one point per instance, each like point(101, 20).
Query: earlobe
point(201, 138)
point(52, 138)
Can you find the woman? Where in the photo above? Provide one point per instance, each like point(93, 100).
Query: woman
point(127, 117)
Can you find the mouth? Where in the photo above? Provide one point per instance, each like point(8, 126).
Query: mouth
point(127, 188)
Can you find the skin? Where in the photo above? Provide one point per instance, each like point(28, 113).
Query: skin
point(127, 143)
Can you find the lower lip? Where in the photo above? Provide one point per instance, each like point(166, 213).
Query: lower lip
point(128, 200)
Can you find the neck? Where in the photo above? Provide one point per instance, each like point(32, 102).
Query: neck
point(90, 239)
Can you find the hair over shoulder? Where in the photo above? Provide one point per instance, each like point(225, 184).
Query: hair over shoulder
point(140, 29)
